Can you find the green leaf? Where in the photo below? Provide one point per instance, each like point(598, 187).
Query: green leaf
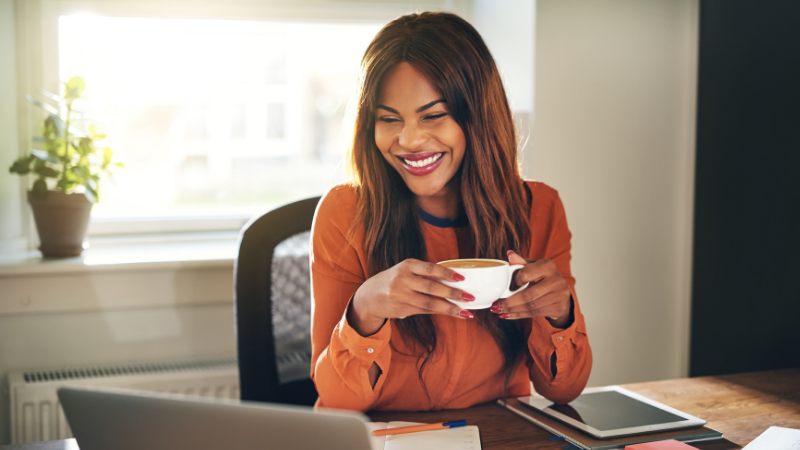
point(44, 106)
point(71, 176)
point(107, 155)
point(21, 166)
point(46, 171)
point(73, 88)
point(84, 146)
point(71, 151)
point(52, 96)
point(94, 134)
point(91, 194)
point(53, 144)
point(80, 171)
point(119, 164)
point(65, 185)
point(40, 188)
point(44, 156)
point(54, 121)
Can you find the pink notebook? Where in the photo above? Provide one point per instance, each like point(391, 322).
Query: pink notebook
point(670, 444)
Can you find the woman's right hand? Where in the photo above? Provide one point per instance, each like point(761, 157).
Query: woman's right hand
point(408, 288)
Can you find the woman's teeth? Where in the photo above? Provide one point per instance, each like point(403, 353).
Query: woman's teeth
point(423, 162)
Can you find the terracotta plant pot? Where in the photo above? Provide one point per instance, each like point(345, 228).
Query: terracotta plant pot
point(61, 220)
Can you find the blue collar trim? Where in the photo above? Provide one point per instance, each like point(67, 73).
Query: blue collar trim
point(458, 222)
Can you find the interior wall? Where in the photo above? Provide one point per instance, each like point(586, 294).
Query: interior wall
point(11, 233)
point(614, 134)
point(137, 314)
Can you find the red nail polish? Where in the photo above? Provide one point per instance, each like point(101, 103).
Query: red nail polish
point(504, 316)
point(467, 297)
point(510, 252)
point(458, 277)
point(496, 304)
point(495, 310)
point(466, 314)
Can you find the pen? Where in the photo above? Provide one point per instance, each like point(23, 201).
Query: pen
point(415, 428)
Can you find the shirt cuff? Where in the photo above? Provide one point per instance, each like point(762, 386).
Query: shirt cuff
point(374, 348)
point(542, 331)
point(546, 339)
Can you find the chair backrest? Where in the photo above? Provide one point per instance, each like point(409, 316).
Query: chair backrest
point(272, 301)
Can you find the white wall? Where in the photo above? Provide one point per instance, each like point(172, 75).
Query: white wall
point(11, 233)
point(101, 316)
point(614, 133)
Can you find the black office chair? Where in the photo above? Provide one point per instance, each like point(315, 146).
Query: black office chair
point(273, 306)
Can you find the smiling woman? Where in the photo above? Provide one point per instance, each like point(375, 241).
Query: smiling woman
point(417, 135)
point(435, 178)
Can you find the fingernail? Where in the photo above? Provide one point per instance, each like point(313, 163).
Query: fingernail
point(495, 309)
point(510, 252)
point(458, 277)
point(467, 297)
point(466, 314)
point(504, 316)
point(496, 304)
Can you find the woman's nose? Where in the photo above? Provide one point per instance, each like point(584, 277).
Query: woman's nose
point(411, 136)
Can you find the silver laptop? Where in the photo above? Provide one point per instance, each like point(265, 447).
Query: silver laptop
point(103, 419)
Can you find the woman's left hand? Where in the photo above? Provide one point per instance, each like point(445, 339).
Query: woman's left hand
point(547, 295)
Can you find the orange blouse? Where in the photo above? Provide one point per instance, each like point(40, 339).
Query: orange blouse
point(467, 366)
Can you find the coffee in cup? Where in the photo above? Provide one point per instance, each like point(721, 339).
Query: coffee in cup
point(472, 263)
point(486, 279)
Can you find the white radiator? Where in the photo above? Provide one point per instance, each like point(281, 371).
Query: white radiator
point(37, 416)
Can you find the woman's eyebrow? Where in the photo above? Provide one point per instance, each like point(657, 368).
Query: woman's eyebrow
point(419, 110)
point(426, 106)
point(391, 110)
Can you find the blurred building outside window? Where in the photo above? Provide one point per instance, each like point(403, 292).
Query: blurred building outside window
point(214, 118)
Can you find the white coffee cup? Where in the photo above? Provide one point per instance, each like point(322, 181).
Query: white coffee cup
point(486, 279)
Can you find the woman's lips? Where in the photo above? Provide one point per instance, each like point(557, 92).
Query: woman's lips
point(431, 161)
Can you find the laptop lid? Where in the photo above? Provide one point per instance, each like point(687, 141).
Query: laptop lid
point(103, 419)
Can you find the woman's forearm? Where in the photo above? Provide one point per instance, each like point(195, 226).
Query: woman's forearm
point(361, 320)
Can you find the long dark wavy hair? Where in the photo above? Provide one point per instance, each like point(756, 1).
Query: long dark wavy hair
point(450, 53)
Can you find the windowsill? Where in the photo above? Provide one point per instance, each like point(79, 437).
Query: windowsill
point(132, 253)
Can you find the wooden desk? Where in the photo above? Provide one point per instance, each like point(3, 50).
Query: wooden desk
point(740, 406)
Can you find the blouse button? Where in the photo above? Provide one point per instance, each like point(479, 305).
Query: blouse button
point(558, 339)
point(370, 350)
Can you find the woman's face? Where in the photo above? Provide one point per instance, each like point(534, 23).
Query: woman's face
point(416, 133)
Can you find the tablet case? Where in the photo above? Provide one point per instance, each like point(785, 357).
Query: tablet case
point(587, 442)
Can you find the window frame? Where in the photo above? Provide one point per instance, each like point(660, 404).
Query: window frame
point(38, 67)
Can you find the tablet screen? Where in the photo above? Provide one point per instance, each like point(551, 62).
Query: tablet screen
point(611, 410)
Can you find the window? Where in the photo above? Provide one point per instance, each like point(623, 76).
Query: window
point(214, 118)
point(275, 121)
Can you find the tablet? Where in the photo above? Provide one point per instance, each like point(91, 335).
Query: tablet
point(614, 411)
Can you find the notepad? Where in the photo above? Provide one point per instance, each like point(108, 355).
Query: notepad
point(461, 438)
point(776, 437)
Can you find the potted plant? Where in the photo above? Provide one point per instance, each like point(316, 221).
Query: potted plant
point(67, 166)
